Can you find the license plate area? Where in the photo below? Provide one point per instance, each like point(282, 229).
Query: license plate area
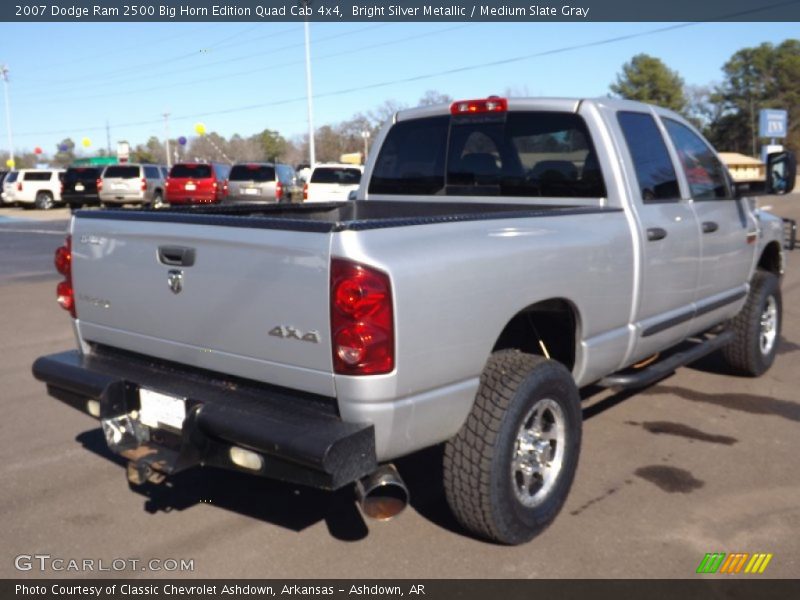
point(161, 411)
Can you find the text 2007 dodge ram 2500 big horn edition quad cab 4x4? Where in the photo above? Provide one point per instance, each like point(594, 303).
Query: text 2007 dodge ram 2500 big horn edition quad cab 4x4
point(501, 254)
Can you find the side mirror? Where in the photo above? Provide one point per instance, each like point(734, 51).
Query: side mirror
point(352, 196)
point(781, 172)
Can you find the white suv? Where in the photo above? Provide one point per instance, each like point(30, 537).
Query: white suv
point(37, 187)
point(332, 182)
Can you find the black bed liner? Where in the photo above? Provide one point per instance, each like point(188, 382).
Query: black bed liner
point(340, 216)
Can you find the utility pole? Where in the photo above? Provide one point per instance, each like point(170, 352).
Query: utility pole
point(4, 71)
point(108, 137)
point(311, 152)
point(166, 139)
point(365, 135)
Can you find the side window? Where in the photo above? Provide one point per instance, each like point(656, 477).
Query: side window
point(654, 170)
point(38, 176)
point(151, 172)
point(704, 172)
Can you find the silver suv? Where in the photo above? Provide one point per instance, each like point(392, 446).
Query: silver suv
point(132, 184)
point(262, 182)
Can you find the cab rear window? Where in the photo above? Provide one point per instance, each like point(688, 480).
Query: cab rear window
point(516, 154)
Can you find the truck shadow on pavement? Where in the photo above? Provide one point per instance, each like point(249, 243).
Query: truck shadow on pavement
point(296, 507)
point(282, 504)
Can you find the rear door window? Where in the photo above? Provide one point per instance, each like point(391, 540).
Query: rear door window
point(704, 172)
point(654, 169)
point(11, 177)
point(122, 172)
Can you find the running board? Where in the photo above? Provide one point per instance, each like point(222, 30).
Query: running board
point(628, 379)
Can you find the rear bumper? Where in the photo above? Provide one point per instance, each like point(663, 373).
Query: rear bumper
point(73, 199)
point(300, 439)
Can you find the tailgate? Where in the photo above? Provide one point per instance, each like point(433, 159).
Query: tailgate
point(252, 302)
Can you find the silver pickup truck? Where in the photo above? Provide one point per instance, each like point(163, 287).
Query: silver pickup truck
point(501, 254)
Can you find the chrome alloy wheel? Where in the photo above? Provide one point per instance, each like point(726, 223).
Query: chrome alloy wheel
point(769, 326)
point(538, 452)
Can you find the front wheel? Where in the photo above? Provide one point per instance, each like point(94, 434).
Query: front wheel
point(508, 471)
point(44, 201)
point(757, 328)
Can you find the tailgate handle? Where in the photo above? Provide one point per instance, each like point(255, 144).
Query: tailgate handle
point(176, 256)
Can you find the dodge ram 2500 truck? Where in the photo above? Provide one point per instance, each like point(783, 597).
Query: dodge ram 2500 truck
point(502, 254)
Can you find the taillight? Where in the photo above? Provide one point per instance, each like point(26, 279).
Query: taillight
point(305, 191)
point(278, 191)
point(19, 186)
point(99, 183)
point(62, 188)
point(492, 104)
point(362, 319)
point(63, 261)
point(225, 187)
point(144, 184)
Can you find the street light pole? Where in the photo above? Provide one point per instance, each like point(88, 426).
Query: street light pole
point(311, 151)
point(4, 71)
point(166, 139)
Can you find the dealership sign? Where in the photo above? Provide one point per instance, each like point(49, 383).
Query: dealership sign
point(772, 123)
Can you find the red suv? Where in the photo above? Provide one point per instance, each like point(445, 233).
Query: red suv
point(197, 183)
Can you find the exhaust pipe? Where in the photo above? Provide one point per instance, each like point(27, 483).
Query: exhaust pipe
point(382, 495)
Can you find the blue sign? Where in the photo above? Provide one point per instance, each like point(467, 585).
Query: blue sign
point(772, 123)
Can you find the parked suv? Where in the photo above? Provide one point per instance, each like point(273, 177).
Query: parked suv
point(79, 186)
point(197, 183)
point(132, 184)
point(2, 179)
point(8, 187)
point(37, 187)
point(332, 182)
point(263, 182)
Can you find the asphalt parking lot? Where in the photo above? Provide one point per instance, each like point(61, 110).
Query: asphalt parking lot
point(700, 462)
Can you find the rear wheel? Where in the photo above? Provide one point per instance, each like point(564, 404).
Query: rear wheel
point(158, 201)
point(44, 200)
point(508, 471)
point(757, 328)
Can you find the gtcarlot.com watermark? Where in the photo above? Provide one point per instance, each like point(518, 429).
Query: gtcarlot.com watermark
point(45, 563)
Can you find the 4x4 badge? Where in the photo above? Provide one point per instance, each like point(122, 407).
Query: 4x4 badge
point(290, 333)
point(175, 281)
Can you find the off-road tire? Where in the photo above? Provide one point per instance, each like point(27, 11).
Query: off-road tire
point(478, 477)
point(744, 353)
point(44, 200)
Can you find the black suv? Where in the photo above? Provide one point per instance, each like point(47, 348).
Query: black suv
point(79, 186)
